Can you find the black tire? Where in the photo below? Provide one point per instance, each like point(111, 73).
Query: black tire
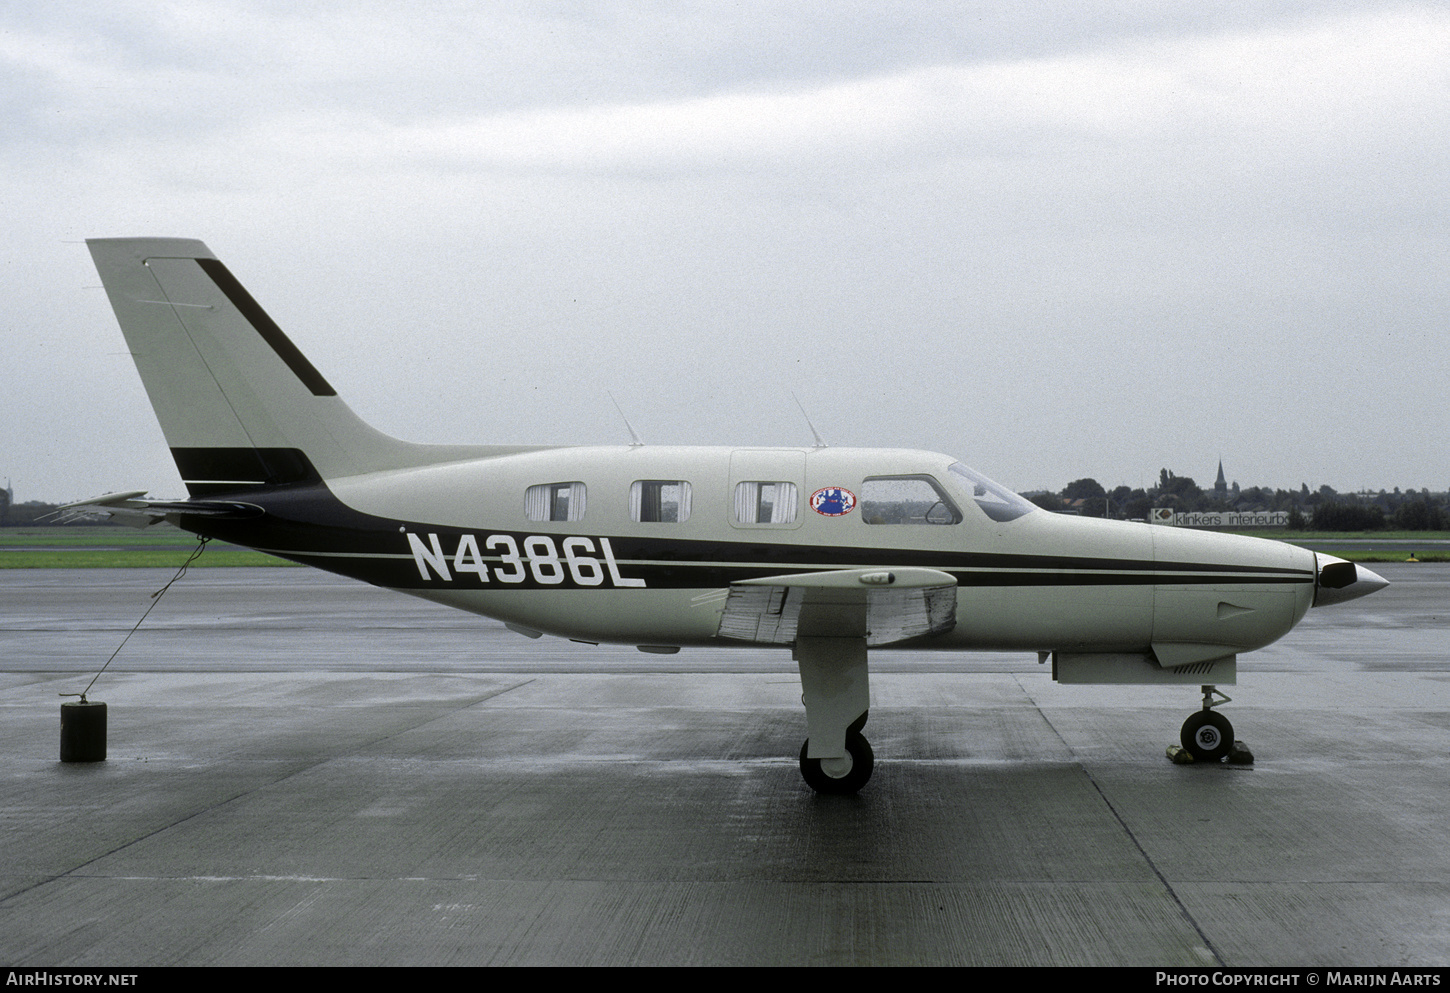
point(1207, 735)
point(863, 761)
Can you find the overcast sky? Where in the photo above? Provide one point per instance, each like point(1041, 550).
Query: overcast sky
point(1054, 240)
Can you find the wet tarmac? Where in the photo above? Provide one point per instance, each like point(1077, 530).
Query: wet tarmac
point(305, 770)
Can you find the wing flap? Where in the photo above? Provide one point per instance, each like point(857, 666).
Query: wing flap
point(884, 607)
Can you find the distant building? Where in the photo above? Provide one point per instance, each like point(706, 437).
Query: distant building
point(1220, 485)
point(1219, 519)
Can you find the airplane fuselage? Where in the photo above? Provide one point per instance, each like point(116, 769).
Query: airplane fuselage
point(464, 534)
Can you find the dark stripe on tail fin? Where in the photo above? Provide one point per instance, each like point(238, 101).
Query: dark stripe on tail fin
point(267, 328)
point(208, 471)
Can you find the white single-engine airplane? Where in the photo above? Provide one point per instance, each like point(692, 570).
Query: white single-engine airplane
point(828, 551)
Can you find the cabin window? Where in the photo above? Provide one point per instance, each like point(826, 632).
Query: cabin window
point(765, 503)
point(659, 501)
point(554, 502)
point(906, 500)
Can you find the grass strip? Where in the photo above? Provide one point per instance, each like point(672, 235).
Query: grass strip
point(148, 558)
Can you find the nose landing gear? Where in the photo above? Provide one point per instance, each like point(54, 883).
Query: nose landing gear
point(1207, 735)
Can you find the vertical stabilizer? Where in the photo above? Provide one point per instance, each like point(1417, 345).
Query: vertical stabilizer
point(237, 401)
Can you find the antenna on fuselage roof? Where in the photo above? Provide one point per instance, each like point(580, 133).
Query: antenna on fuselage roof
point(820, 442)
point(635, 440)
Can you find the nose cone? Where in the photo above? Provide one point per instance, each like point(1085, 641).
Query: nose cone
point(1338, 581)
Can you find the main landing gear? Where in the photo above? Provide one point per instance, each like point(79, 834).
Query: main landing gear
point(841, 776)
point(836, 758)
point(1207, 735)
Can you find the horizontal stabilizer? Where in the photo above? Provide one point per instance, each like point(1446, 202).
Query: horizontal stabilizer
point(126, 508)
point(882, 606)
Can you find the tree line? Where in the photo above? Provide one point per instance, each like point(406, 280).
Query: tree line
point(1323, 509)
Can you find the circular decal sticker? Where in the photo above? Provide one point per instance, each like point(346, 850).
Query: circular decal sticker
point(833, 501)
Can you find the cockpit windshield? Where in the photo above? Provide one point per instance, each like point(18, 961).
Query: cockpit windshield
point(998, 502)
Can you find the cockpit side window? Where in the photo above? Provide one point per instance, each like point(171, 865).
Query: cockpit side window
point(906, 500)
point(996, 501)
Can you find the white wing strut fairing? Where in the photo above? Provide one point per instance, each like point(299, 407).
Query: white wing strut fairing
point(830, 551)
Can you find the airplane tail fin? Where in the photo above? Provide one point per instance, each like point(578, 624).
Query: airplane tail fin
point(239, 404)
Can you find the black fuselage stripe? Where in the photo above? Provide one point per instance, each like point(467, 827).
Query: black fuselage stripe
point(390, 541)
point(393, 571)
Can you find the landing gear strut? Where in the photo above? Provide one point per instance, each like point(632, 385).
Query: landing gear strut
point(1208, 735)
point(836, 757)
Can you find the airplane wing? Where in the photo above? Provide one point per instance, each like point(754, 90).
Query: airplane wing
point(127, 508)
point(882, 606)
